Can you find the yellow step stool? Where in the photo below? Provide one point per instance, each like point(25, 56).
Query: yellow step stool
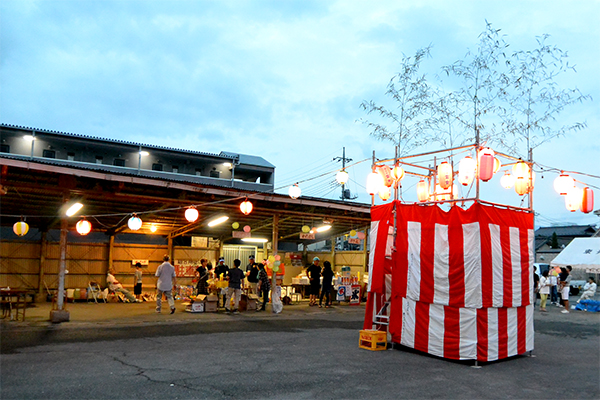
point(373, 340)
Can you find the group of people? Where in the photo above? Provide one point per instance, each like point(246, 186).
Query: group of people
point(314, 273)
point(552, 284)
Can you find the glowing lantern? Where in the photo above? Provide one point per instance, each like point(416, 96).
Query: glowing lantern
point(191, 214)
point(444, 175)
point(398, 173)
point(134, 223)
point(422, 190)
point(305, 228)
point(442, 194)
point(385, 193)
point(467, 168)
point(374, 183)
point(386, 174)
point(360, 235)
point(486, 164)
point(521, 170)
point(247, 228)
point(21, 228)
point(521, 185)
point(507, 181)
point(246, 207)
point(497, 164)
point(83, 227)
point(235, 225)
point(573, 199)
point(153, 228)
point(587, 200)
point(295, 191)
point(352, 233)
point(563, 183)
point(342, 177)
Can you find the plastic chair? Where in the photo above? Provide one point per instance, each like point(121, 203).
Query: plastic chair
point(95, 291)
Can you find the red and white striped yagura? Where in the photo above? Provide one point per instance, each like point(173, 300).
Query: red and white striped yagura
point(459, 283)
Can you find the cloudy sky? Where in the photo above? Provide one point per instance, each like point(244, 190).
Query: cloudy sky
point(280, 79)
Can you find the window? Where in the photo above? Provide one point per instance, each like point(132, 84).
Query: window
point(119, 162)
point(215, 174)
point(49, 154)
point(71, 156)
point(175, 169)
point(157, 167)
point(198, 172)
point(98, 159)
point(4, 148)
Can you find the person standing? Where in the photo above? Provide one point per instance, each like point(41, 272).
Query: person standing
point(327, 284)
point(165, 283)
point(544, 289)
point(264, 285)
point(313, 272)
point(252, 276)
point(536, 287)
point(115, 286)
point(553, 287)
point(235, 278)
point(565, 284)
point(202, 272)
point(221, 271)
point(137, 281)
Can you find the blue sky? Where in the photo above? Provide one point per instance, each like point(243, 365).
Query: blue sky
point(280, 79)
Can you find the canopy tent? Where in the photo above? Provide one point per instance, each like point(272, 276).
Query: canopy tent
point(459, 284)
point(581, 253)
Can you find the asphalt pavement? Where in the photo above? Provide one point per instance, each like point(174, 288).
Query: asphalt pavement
point(127, 351)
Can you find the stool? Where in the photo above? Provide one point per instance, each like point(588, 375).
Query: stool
point(373, 340)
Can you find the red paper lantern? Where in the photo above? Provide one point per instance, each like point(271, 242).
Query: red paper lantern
point(386, 174)
point(486, 164)
point(587, 200)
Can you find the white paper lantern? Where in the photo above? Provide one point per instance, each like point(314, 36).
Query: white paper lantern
point(20, 228)
point(134, 223)
point(467, 168)
point(295, 191)
point(83, 227)
point(374, 183)
point(507, 181)
point(341, 177)
point(563, 183)
point(191, 214)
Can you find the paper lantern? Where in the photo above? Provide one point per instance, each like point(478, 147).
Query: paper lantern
point(295, 191)
point(247, 228)
point(134, 223)
point(442, 194)
point(374, 183)
point(83, 227)
point(497, 164)
point(305, 228)
point(352, 232)
point(191, 214)
point(444, 175)
point(21, 228)
point(386, 174)
point(246, 207)
point(507, 181)
point(235, 225)
point(563, 183)
point(587, 200)
point(467, 168)
point(361, 235)
point(521, 186)
point(573, 199)
point(153, 228)
point(521, 170)
point(341, 177)
point(385, 193)
point(422, 190)
point(398, 173)
point(486, 164)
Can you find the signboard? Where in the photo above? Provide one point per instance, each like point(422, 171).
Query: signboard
point(341, 293)
point(143, 262)
point(185, 268)
point(240, 234)
point(354, 241)
point(355, 295)
point(307, 236)
point(199, 241)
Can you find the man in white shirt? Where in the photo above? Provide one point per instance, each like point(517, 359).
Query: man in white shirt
point(589, 289)
point(115, 286)
point(165, 283)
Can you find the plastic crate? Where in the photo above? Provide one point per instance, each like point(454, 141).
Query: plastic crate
point(373, 340)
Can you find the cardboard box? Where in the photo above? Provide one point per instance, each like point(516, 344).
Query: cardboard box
point(211, 303)
point(197, 306)
point(252, 302)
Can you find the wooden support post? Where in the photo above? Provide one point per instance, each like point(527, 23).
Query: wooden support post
point(170, 249)
point(43, 249)
point(111, 251)
point(275, 239)
point(60, 314)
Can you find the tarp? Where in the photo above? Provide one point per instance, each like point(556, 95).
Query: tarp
point(461, 281)
point(581, 253)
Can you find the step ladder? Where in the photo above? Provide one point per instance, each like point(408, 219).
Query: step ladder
point(380, 318)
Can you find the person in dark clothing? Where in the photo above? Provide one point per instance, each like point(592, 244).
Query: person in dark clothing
point(221, 271)
point(235, 278)
point(263, 286)
point(536, 283)
point(202, 272)
point(314, 276)
point(252, 275)
point(327, 275)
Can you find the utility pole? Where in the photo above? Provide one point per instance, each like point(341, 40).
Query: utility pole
point(343, 159)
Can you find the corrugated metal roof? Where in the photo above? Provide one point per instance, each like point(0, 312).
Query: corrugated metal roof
point(148, 146)
point(249, 160)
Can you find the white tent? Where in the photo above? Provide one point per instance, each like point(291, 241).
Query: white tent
point(581, 253)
